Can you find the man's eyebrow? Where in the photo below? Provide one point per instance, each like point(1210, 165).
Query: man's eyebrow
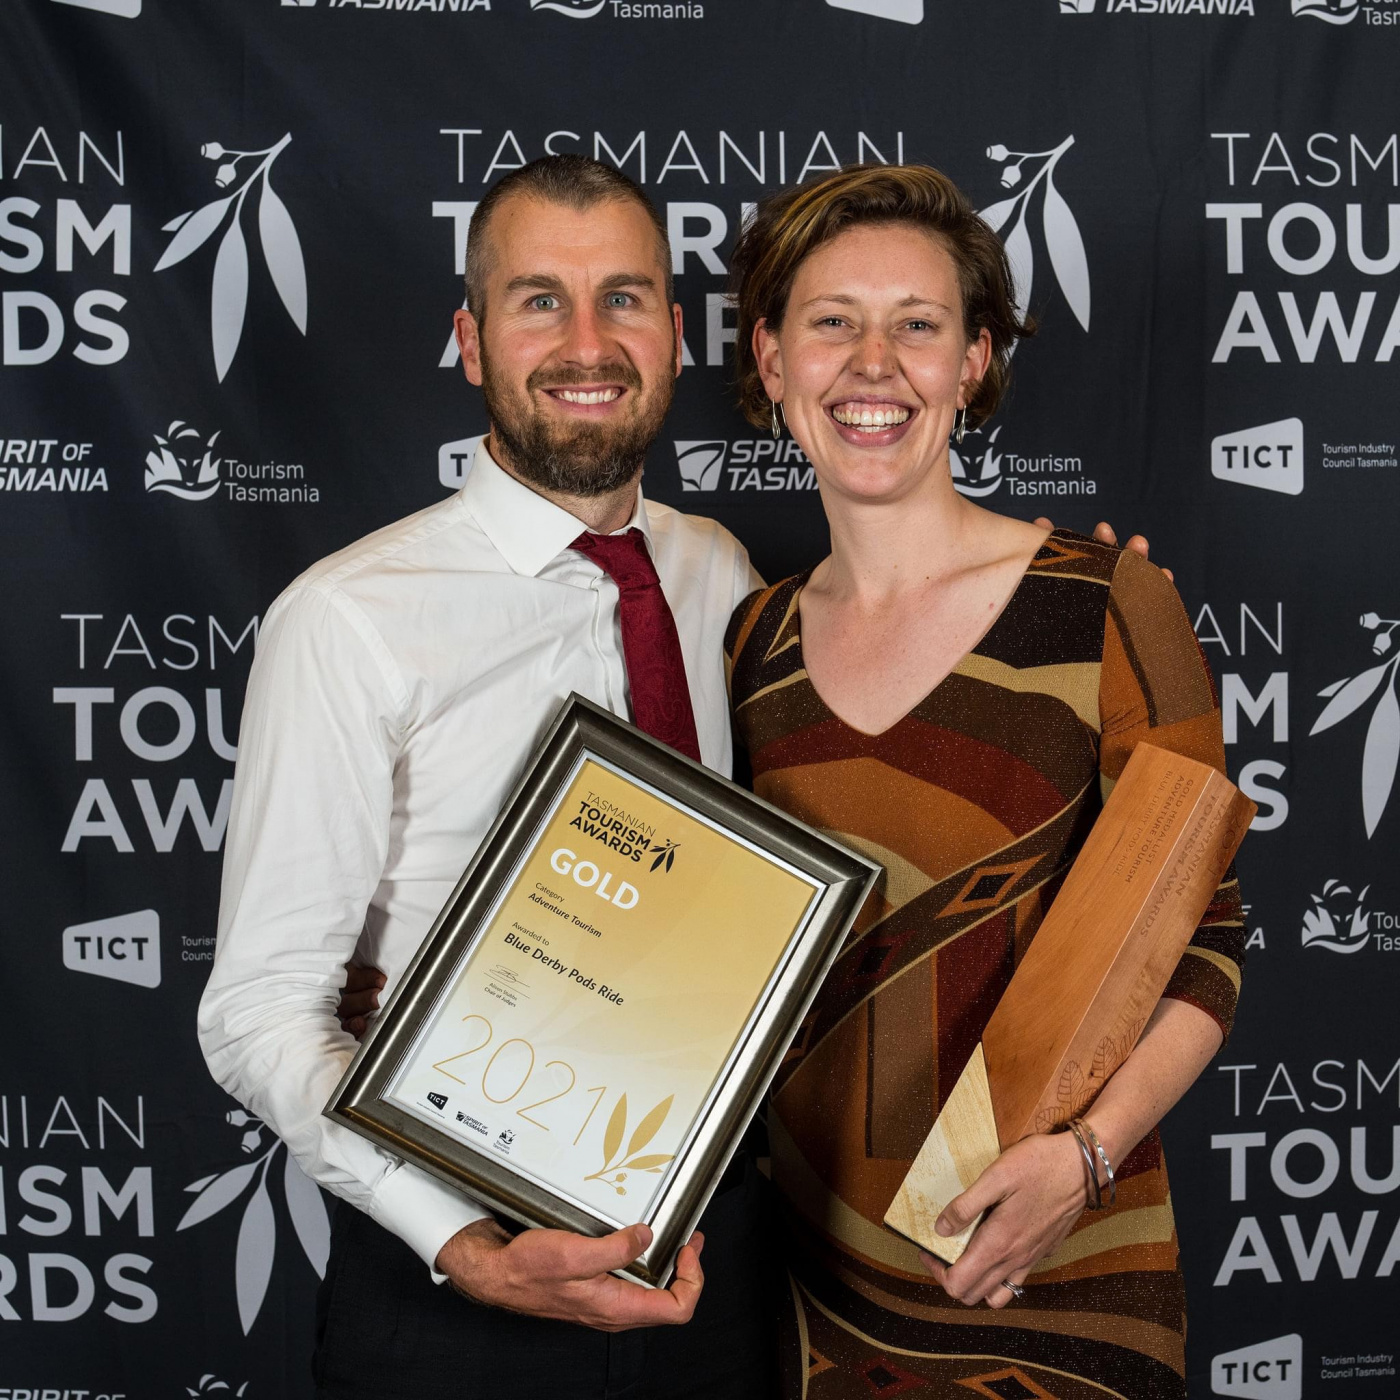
point(545, 282)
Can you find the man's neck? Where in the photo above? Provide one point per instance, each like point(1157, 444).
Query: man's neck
point(600, 514)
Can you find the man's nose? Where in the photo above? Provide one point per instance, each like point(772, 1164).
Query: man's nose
point(586, 341)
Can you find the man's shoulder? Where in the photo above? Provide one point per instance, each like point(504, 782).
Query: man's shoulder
point(402, 546)
point(692, 530)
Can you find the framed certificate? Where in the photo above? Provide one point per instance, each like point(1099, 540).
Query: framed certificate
point(595, 1015)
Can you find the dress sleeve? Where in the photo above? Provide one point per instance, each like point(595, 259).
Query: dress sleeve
point(1155, 685)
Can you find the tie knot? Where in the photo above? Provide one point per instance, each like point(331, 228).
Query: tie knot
point(623, 557)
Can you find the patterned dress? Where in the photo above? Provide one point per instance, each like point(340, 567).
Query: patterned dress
point(975, 803)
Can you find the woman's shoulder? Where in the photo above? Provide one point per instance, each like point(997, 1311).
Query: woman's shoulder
point(763, 612)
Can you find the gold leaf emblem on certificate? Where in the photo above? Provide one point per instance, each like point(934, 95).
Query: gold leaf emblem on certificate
point(616, 1163)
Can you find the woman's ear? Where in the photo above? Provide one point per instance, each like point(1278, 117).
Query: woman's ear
point(769, 358)
point(979, 357)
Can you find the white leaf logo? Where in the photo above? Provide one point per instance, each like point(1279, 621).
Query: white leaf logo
point(1063, 240)
point(1381, 756)
point(281, 247)
point(256, 1251)
point(308, 1214)
point(257, 1244)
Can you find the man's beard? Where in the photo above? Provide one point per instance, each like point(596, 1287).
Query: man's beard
point(587, 459)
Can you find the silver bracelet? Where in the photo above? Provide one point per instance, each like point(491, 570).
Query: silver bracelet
point(1097, 1202)
point(1103, 1157)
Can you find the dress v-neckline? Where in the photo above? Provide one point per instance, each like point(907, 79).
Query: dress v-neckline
point(940, 682)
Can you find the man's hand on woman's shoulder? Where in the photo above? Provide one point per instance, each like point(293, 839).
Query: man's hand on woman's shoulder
point(1106, 534)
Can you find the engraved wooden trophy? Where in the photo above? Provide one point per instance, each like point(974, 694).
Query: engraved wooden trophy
point(1095, 969)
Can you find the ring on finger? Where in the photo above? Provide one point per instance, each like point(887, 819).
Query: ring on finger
point(1014, 1289)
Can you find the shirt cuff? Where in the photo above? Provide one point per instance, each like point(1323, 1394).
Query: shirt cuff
point(423, 1212)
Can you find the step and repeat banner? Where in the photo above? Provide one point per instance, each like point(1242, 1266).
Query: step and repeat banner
point(231, 233)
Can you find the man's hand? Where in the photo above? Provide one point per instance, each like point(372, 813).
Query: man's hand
point(553, 1273)
point(358, 998)
point(1106, 534)
point(1033, 1194)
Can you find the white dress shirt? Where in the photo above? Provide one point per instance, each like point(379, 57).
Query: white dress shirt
point(398, 689)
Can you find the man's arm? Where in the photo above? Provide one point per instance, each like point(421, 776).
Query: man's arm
point(307, 840)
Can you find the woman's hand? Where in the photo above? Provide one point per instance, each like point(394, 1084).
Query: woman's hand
point(1033, 1194)
point(358, 998)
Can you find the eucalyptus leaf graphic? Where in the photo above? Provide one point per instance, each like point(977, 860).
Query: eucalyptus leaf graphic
point(308, 1212)
point(650, 1126)
point(1348, 696)
point(1379, 761)
point(220, 1192)
point(175, 222)
point(201, 1183)
point(995, 215)
point(1022, 260)
point(1333, 688)
point(1066, 245)
point(612, 1138)
point(650, 1163)
point(257, 1245)
point(229, 298)
point(282, 250)
point(193, 232)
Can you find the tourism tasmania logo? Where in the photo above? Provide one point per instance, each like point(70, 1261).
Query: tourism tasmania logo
point(1328, 11)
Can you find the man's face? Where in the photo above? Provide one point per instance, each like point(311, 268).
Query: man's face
point(578, 349)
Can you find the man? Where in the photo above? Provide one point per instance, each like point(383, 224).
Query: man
point(398, 688)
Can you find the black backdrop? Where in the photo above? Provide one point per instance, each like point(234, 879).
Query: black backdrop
point(192, 410)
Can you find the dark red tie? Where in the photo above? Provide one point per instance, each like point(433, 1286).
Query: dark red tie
point(651, 646)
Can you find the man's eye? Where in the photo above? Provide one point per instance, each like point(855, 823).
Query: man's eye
point(545, 302)
point(617, 300)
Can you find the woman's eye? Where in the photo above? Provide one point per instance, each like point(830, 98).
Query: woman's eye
point(920, 325)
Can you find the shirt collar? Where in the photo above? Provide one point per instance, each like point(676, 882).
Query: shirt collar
point(527, 530)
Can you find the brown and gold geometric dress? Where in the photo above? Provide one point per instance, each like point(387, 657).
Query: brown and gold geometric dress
point(975, 803)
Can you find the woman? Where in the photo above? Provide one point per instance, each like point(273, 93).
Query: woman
point(948, 691)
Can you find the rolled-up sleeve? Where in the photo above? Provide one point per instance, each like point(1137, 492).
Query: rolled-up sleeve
point(307, 841)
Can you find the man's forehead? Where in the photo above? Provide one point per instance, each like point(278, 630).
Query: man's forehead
point(612, 238)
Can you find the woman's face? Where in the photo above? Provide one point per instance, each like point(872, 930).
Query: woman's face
point(871, 364)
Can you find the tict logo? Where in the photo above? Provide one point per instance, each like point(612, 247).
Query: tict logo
point(1328, 11)
point(438, 1101)
point(1336, 921)
point(180, 467)
point(1269, 456)
point(1266, 1371)
point(701, 464)
point(125, 948)
point(1067, 7)
point(455, 461)
point(124, 9)
point(905, 11)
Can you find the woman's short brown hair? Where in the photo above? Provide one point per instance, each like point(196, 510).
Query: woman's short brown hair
point(794, 223)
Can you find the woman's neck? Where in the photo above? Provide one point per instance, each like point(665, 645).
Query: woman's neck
point(882, 549)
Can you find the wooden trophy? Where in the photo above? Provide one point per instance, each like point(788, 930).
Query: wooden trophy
point(1095, 969)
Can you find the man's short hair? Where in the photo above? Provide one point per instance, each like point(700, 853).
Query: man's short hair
point(575, 181)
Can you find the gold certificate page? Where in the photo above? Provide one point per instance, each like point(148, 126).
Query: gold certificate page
point(608, 991)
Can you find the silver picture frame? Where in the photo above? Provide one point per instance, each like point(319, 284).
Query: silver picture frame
point(840, 881)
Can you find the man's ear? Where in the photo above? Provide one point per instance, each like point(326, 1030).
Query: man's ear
point(469, 343)
point(678, 321)
point(769, 359)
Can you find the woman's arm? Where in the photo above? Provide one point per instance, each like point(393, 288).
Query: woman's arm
point(1037, 1190)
